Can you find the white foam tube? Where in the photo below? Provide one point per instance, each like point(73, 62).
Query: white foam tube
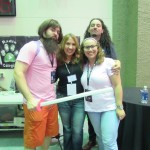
point(72, 97)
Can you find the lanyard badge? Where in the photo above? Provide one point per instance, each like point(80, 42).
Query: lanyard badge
point(71, 87)
point(88, 98)
point(53, 77)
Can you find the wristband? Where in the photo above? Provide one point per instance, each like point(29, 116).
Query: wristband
point(120, 107)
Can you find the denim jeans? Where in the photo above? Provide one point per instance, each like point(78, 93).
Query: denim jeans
point(92, 134)
point(106, 128)
point(72, 115)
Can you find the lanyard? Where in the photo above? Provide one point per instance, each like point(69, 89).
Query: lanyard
point(89, 74)
point(67, 68)
point(51, 58)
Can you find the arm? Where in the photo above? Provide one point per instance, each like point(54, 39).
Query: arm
point(116, 83)
point(113, 54)
point(19, 76)
point(116, 68)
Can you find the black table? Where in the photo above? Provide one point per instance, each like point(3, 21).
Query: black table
point(134, 130)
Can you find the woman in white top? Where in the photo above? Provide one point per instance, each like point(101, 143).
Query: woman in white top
point(104, 110)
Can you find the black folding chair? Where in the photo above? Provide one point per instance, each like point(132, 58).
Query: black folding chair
point(58, 138)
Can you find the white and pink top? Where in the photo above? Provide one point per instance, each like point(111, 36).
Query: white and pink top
point(99, 79)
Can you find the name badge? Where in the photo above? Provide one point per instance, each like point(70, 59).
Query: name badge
point(53, 77)
point(72, 78)
point(71, 89)
point(88, 98)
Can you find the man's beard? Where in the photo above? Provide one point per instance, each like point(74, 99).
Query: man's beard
point(50, 45)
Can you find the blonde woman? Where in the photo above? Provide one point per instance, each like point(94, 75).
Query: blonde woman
point(104, 110)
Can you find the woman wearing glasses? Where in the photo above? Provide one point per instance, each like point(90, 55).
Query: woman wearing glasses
point(99, 31)
point(104, 110)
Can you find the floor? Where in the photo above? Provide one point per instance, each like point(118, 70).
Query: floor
point(13, 140)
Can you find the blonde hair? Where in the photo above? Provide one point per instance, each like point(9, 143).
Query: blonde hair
point(100, 54)
point(61, 56)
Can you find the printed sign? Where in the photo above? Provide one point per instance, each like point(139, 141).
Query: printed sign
point(9, 49)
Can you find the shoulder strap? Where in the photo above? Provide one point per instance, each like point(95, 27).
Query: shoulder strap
point(38, 47)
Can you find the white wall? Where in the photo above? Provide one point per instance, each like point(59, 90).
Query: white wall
point(73, 15)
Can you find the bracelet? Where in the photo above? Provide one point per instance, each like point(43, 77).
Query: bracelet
point(120, 107)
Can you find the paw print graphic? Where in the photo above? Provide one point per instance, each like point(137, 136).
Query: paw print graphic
point(9, 53)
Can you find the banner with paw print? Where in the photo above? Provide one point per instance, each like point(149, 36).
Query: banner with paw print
point(9, 49)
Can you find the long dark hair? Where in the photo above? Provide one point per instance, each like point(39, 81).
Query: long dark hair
point(105, 40)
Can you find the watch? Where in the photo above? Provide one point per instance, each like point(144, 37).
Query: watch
point(120, 107)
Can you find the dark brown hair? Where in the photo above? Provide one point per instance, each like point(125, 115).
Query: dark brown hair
point(105, 40)
point(50, 23)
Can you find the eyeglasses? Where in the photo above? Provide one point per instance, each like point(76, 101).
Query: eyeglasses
point(89, 47)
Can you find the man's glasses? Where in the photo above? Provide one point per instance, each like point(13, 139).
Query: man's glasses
point(89, 47)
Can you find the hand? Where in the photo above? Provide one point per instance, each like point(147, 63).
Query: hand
point(32, 104)
point(116, 68)
point(120, 113)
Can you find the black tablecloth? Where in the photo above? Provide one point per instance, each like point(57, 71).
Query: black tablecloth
point(134, 130)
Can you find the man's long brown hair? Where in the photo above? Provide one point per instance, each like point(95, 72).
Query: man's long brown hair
point(50, 44)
